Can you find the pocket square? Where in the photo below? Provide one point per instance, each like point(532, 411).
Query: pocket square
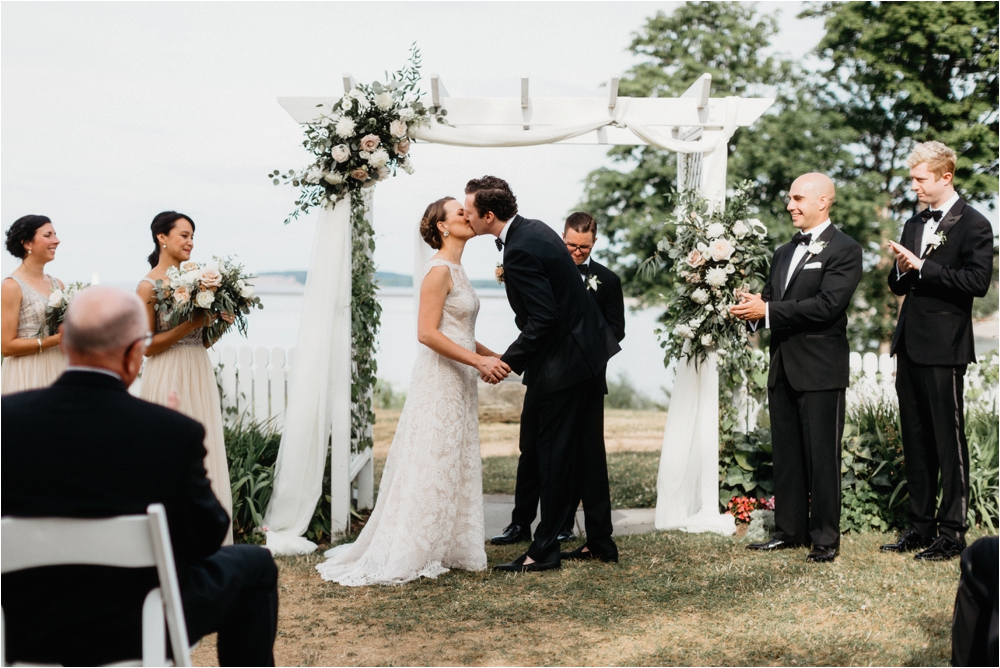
point(812, 265)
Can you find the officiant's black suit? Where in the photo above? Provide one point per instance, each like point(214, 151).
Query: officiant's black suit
point(562, 353)
point(611, 302)
point(933, 343)
point(810, 370)
point(85, 447)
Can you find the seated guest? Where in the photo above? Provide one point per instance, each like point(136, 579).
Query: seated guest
point(85, 447)
point(974, 627)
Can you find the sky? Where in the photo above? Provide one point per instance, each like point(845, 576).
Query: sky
point(113, 112)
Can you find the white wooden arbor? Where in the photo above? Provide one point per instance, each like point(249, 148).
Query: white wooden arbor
point(694, 124)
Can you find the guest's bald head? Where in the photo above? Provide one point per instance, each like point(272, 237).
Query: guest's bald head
point(818, 184)
point(810, 199)
point(102, 319)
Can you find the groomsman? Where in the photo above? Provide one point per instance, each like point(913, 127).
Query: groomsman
point(804, 303)
point(944, 260)
point(579, 234)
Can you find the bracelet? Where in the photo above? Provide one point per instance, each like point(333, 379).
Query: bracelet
point(39, 344)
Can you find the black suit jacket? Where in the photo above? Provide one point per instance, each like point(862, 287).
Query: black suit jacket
point(609, 297)
point(808, 318)
point(935, 321)
point(564, 339)
point(85, 447)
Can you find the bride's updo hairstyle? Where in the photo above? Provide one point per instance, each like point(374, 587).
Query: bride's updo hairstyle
point(434, 214)
point(162, 224)
point(23, 230)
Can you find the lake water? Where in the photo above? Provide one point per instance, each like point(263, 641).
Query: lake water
point(277, 325)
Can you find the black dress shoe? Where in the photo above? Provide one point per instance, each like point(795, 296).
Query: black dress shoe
point(566, 536)
point(908, 541)
point(820, 554)
point(773, 544)
point(514, 533)
point(518, 565)
point(942, 549)
point(580, 554)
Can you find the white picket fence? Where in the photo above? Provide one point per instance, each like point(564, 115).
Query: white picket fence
point(254, 383)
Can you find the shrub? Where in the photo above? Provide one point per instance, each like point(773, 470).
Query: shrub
point(251, 450)
point(386, 397)
point(623, 394)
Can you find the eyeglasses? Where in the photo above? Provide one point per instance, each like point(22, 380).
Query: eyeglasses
point(578, 247)
point(146, 339)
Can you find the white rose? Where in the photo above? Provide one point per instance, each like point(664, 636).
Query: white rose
point(247, 291)
point(204, 299)
point(314, 175)
point(758, 226)
point(406, 114)
point(816, 247)
point(56, 298)
point(345, 127)
point(695, 323)
point(191, 278)
point(346, 102)
point(716, 277)
point(361, 99)
point(340, 152)
point(700, 296)
point(382, 173)
point(721, 249)
point(709, 308)
point(378, 158)
point(383, 101)
point(706, 340)
point(397, 129)
point(715, 230)
point(334, 178)
point(684, 331)
point(740, 229)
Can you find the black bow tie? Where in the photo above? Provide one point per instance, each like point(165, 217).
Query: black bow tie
point(584, 268)
point(499, 244)
point(800, 238)
point(927, 214)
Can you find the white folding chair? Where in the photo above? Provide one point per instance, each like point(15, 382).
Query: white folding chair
point(129, 541)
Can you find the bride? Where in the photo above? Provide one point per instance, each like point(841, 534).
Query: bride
point(429, 513)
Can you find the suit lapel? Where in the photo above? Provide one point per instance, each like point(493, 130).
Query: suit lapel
point(948, 222)
point(781, 271)
point(825, 237)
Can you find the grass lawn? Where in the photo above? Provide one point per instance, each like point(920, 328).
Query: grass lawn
point(674, 599)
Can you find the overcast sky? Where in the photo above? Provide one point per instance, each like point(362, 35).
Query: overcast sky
point(113, 112)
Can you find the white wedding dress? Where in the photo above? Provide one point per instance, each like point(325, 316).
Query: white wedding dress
point(429, 514)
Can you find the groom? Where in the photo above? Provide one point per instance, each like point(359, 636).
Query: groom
point(561, 353)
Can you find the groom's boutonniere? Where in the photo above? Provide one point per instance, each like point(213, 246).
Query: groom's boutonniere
point(499, 273)
point(816, 247)
point(937, 239)
point(592, 282)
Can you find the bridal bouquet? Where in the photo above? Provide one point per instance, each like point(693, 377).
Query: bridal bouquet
point(716, 255)
point(55, 310)
point(362, 139)
point(219, 286)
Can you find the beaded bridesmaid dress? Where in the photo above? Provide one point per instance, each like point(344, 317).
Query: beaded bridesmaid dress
point(28, 372)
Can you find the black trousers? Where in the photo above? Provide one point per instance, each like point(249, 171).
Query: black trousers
point(974, 629)
point(806, 432)
point(932, 421)
point(234, 593)
point(560, 455)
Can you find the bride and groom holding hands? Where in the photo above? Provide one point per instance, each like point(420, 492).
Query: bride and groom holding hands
point(429, 513)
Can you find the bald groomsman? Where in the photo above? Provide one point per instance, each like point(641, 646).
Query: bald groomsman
point(944, 260)
point(804, 304)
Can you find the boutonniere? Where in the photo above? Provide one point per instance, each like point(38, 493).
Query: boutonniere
point(592, 282)
point(499, 273)
point(937, 239)
point(816, 247)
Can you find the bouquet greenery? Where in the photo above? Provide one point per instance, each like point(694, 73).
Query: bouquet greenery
point(55, 310)
point(220, 286)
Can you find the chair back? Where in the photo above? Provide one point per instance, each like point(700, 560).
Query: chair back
point(128, 541)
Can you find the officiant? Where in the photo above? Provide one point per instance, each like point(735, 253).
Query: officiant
point(579, 235)
point(804, 304)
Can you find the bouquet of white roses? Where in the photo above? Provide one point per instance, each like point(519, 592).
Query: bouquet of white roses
point(716, 255)
point(363, 139)
point(220, 286)
point(55, 310)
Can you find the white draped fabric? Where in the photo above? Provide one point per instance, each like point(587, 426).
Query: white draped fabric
point(319, 396)
point(687, 487)
point(319, 401)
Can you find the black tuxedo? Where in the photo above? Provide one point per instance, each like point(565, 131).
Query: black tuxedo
point(933, 343)
point(562, 350)
point(806, 382)
point(611, 301)
point(85, 447)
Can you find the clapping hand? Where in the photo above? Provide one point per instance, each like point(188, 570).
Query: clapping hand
point(905, 258)
point(751, 307)
point(492, 369)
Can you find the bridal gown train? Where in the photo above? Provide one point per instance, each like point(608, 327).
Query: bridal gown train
point(429, 514)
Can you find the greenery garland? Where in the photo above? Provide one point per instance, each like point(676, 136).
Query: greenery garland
point(366, 316)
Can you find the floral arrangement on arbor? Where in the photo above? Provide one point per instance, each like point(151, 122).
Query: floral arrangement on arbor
point(220, 286)
point(362, 139)
point(716, 254)
point(55, 310)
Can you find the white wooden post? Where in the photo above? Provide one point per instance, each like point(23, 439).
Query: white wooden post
point(278, 389)
point(261, 393)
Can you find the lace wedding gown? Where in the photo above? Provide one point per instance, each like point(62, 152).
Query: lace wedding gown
point(429, 513)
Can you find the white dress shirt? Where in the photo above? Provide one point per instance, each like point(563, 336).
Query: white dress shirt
point(930, 229)
point(797, 254)
point(503, 232)
point(94, 369)
point(585, 263)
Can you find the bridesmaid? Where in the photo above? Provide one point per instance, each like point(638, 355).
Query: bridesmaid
point(177, 360)
point(30, 359)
